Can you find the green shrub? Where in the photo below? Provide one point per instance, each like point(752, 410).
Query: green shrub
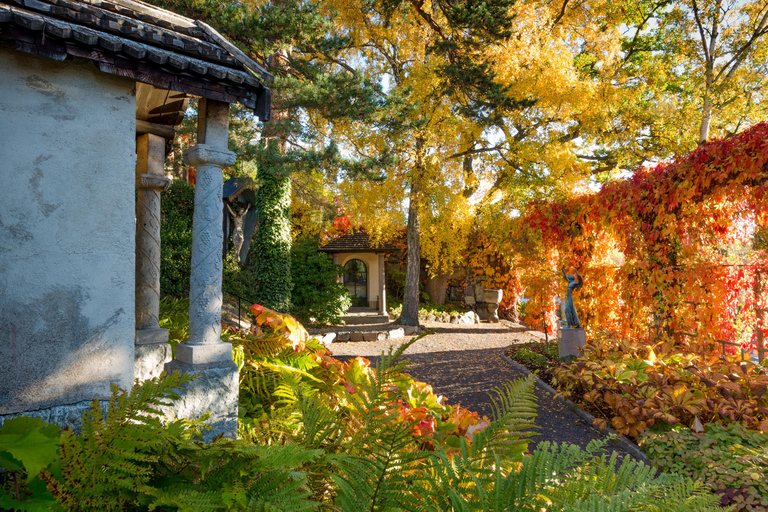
point(316, 294)
point(395, 307)
point(239, 280)
point(177, 207)
point(732, 460)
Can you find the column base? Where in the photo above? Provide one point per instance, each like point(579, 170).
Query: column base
point(151, 335)
point(215, 390)
point(571, 340)
point(204, 354)
point(150, 360)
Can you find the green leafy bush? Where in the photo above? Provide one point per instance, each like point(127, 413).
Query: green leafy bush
point(27, 446)
point(730, 459)
point(635, 386)
point(395, 307)
point(316, 293)
point(177, 207)
point(238, 280)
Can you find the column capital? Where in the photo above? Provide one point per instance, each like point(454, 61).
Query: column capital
point(153, 182)
point(202, 154)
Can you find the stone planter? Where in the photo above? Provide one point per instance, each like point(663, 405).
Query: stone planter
point(492, 296)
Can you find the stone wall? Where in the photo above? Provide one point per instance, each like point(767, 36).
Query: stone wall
point(67, 166)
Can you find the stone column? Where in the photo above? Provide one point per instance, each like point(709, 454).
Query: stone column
point(382, 287)
point(150, 153)
point(216, 388)
point(205, 297)
point(152, 350)
point(339, 279)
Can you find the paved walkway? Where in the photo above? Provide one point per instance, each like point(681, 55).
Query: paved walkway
point(464, 363)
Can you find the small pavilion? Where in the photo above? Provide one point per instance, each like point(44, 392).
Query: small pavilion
point(365, 273)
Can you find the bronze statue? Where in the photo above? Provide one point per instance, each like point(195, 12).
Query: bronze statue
point(574, 283)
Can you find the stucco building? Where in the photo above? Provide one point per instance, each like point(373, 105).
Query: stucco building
point(365, 272)
point(91, 92)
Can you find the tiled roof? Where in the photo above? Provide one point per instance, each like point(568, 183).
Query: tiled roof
point(356, 242)
point(136, 40)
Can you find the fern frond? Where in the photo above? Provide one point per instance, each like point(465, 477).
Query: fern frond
point(514, 407)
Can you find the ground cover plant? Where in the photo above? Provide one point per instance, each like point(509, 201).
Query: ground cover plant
point(696, 414)
point(633, 386)
point(732, 460)
point(542, 358)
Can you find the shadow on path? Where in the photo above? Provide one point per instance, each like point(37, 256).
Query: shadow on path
point(466, 377)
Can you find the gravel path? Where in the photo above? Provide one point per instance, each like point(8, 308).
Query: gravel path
point(463, 363)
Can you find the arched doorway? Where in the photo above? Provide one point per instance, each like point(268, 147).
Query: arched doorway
point(356, 282)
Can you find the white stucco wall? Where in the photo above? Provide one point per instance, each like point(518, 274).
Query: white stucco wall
point(67, 165)
point(371, 261)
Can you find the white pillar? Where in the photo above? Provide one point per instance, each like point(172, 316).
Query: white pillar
point(150, 181)
point(382, 287)
point(208, 156)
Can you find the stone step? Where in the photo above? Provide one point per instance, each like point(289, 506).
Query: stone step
point(365, 319)
point(352, 336)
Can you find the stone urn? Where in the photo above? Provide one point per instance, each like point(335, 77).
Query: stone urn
point(492, 296)
point(488, 308)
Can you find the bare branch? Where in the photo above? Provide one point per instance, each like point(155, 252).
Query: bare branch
point(560, 15)
point(701, 30)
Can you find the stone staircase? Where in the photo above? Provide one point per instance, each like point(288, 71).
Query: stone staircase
point(364, 324)
point(364, 316)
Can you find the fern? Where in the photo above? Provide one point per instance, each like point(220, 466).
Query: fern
point(110, 464)
point(565, 478)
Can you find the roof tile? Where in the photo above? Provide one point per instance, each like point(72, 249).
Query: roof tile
point(356, 242)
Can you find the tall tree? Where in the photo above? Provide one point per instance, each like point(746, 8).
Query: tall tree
point(301, 48)
point(688, 70)
point(498, 92)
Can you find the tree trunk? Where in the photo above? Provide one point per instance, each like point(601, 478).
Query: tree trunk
point(706, 117)
point(410, 313)
point(436, 288)
point(760, 289)
point(514, 315)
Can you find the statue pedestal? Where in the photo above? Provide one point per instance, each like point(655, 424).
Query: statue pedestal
point(571, 340)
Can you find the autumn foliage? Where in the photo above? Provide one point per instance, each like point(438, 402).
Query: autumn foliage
point(666, 253)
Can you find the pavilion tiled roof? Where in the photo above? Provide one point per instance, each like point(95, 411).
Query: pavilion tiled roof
point(356, 242)
point(133, 39)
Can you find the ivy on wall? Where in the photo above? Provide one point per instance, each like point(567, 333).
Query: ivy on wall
point(271, 255)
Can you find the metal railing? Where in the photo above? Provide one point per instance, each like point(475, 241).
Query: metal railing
point(239, 303)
